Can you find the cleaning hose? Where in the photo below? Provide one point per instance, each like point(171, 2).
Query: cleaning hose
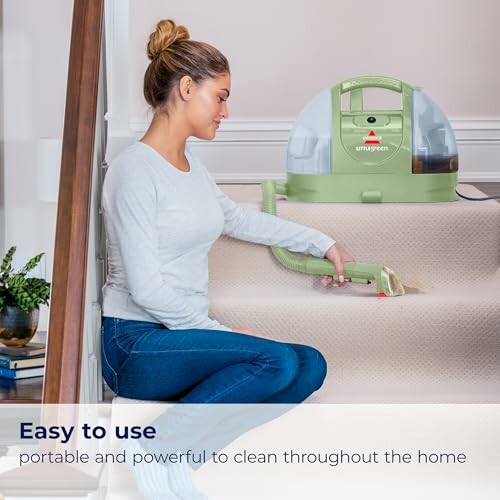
point(309, 265)
point(388, 283)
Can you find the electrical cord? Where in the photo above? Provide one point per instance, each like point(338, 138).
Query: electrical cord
point(496, 197)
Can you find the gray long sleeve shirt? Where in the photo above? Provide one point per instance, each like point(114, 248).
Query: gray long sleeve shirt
point(160, 224)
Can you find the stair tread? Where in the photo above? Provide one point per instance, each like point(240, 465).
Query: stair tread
point(278, 292)
point(251, 193)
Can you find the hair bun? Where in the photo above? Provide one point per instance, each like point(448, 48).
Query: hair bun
point(166, 33)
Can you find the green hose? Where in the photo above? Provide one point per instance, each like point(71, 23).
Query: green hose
point(302, 264)
point(387, 282)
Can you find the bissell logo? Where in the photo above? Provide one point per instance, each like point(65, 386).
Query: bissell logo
point(372, 143)
point(372, 138)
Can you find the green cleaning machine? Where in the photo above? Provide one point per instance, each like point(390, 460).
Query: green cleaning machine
point(366, 156)
point(372, 156)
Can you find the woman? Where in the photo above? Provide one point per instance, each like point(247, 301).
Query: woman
point(163, 212)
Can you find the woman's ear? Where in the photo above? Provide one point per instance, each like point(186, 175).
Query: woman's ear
point(186, 85)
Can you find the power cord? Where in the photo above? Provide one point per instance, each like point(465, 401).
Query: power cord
point(496, 197)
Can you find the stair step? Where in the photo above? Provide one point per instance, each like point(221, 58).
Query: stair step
point(438, 343)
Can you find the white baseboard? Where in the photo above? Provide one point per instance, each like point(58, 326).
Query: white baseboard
point(249, 151)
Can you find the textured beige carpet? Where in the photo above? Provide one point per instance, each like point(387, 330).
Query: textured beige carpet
point(439, 343)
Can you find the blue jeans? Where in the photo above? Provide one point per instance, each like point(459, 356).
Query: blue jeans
point(144, 360)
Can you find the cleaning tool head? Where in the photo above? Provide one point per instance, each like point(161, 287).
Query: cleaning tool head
point(387, 282)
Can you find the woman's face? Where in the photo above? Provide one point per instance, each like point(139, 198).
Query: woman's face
point(207, 106)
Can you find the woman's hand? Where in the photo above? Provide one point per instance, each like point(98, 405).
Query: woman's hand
point(249, 331)
point(337, 255)
point(242, 329)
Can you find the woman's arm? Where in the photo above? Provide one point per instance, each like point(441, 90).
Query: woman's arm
point(259, 227)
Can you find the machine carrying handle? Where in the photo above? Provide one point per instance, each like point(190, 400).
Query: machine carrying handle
point(361, 82)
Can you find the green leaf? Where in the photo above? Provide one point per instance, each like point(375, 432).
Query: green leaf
point(31, 264)
point(25, 293)
point(6, 267)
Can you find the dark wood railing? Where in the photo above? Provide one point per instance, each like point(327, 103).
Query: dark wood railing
point(64, 342)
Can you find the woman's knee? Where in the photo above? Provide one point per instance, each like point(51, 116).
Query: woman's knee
point(315, 367)
point(283, 365)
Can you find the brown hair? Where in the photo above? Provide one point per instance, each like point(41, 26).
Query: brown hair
point(173, 55)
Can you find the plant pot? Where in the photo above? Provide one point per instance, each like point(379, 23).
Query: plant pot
point(17, 327)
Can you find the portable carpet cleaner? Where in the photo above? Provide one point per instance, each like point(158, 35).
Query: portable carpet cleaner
point(357, 155)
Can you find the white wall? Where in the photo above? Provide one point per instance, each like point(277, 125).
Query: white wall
point(2, 183)
point(283, 53)
point(36, 41)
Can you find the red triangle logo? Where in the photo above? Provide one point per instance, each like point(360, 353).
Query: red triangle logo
point(372, 138)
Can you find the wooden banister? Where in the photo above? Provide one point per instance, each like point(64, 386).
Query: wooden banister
point(65, 335)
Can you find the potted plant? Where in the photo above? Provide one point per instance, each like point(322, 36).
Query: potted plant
point(20, 298)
